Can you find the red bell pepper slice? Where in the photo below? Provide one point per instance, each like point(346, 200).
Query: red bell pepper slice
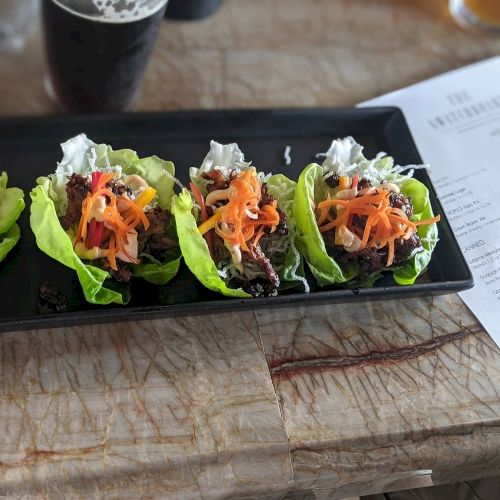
point(95, 179)
point(94, 234)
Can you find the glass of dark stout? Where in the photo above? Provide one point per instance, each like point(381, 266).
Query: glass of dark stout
point(97, 50)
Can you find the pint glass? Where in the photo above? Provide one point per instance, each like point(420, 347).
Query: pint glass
point(482, 14)
point(97, 50)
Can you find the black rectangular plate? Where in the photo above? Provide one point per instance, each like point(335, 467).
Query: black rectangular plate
point(29, 148)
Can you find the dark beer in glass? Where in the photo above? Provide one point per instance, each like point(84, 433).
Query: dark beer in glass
point(191, 9)
point(97, 50)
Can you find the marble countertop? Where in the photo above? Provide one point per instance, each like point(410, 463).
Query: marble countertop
point(325, 401)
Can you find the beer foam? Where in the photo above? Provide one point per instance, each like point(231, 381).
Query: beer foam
point(130, 10)
point(112, 11)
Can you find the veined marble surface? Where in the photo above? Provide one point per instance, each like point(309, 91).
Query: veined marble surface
point(319, 402)
point(380, 392)
point(175, 408)
point(339, 400)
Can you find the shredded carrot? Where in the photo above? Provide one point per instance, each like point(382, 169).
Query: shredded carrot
point(383, 224)
point(248, 232)
point(137, 211)
point(82, 227)
point(427, 221)
point(104, 179)
point(118, 222)
point(324, 209)
point(241, 221)
point(258, 236)
point(390, 253)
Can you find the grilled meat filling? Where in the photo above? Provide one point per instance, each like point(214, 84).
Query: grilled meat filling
point(77, 189)
point(255, 262)
point(371, 260)
point(152, 241)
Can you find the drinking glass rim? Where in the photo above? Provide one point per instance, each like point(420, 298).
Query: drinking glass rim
point(107, 20)
point(466, 18)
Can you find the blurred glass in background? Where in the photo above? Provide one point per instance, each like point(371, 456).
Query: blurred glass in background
point(17, 18)
point(97, 50)
point(481, 14)
point(191, 9)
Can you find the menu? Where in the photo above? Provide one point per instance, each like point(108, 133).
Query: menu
point(455, 122)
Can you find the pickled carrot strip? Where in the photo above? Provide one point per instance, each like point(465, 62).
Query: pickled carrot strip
point(137, 211)
point(104, 179)
point(243, 198)
point(384, 224)
point(437, 218)
point(120, 224)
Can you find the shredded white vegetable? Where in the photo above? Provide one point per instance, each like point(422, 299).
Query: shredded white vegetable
point(286, 155)
point(345, 158)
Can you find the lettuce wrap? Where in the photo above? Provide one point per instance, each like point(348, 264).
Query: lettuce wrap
point(357, 218)
point(106, 214)
point(236, 227)
point(11, 206)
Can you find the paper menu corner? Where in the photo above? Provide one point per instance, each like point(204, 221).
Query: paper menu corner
point(455, 122)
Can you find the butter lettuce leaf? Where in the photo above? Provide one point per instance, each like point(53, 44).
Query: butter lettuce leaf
point(195, 249)
point(53, 240)
point(311, 188)
point(284, 255)
point(8, 240)
point(158, 274)
point(292, 272)
point(345, 158)
point(428, 233)
point(81, 155)
point(11, 204)
point(157, 173)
